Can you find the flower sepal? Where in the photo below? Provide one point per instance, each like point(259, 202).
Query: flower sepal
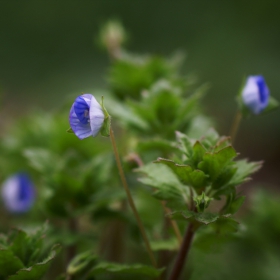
point(105, 129)
point(70, 130)
point(272, 105)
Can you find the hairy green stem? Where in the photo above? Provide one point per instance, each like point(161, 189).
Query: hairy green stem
point(235, 126)
point(130, 199)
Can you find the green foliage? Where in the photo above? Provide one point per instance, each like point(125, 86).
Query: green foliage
point(207, 171)
point(86, 265)
point(130, 74)
point(81, 264)
point(161, 110)
point(121, 269)
point(24, 256)
point(78, 187)
point(167, 186)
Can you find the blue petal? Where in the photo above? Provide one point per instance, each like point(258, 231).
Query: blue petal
point(81, 130)
point(263, 91)
point(81, 109)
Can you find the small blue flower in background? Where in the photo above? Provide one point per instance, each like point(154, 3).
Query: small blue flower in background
point(86, 116)
point(255, 94)
point(18, 193)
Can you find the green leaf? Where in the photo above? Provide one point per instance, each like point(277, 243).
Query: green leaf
point(224, 177)
point(119, 269)
point(210, 139)
point(206, 217)
point(185, 144)
point(185, 173)
point(81, 262)
point(198, 179)
point(214, 163)
point(225, 225)
point(36, 271)
point(198, 153)
point(202, 218)
point(170, 244)
point(233, 206)
point(222, 143)
point(9, 263)
point(19, 244)
point(189, 107)
point(244, 169)
point(165, 182)
point(182, 171)
point(181, 215)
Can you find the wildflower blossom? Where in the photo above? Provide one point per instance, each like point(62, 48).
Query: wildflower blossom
point(86, 116)
point(18, 193)
point(255, 94)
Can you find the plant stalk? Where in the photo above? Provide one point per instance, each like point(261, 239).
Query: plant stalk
point(130, 199)
point(235, 126)
point(183, 253)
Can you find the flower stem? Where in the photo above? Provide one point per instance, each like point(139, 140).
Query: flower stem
point(183, 253)
point(235, 126)
point(130, 199)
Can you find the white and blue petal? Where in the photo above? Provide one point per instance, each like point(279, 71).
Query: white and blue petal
point(81, 130)
point(18, 193)
point(255, 94)
point(96, 116)
point(86, 116)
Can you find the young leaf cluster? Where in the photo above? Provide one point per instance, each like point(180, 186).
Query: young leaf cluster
point(207, 170)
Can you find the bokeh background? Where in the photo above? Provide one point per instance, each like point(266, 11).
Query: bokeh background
point(48, 50)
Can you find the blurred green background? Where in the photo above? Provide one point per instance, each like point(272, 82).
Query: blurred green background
point(48, 50)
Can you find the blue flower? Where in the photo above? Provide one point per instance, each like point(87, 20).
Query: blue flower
point(18, 193)
point(255, 94)
point(86, 116)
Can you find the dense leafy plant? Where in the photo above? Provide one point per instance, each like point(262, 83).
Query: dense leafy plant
point(179, 175)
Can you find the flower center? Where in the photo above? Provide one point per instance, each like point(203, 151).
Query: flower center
point(81, 109)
